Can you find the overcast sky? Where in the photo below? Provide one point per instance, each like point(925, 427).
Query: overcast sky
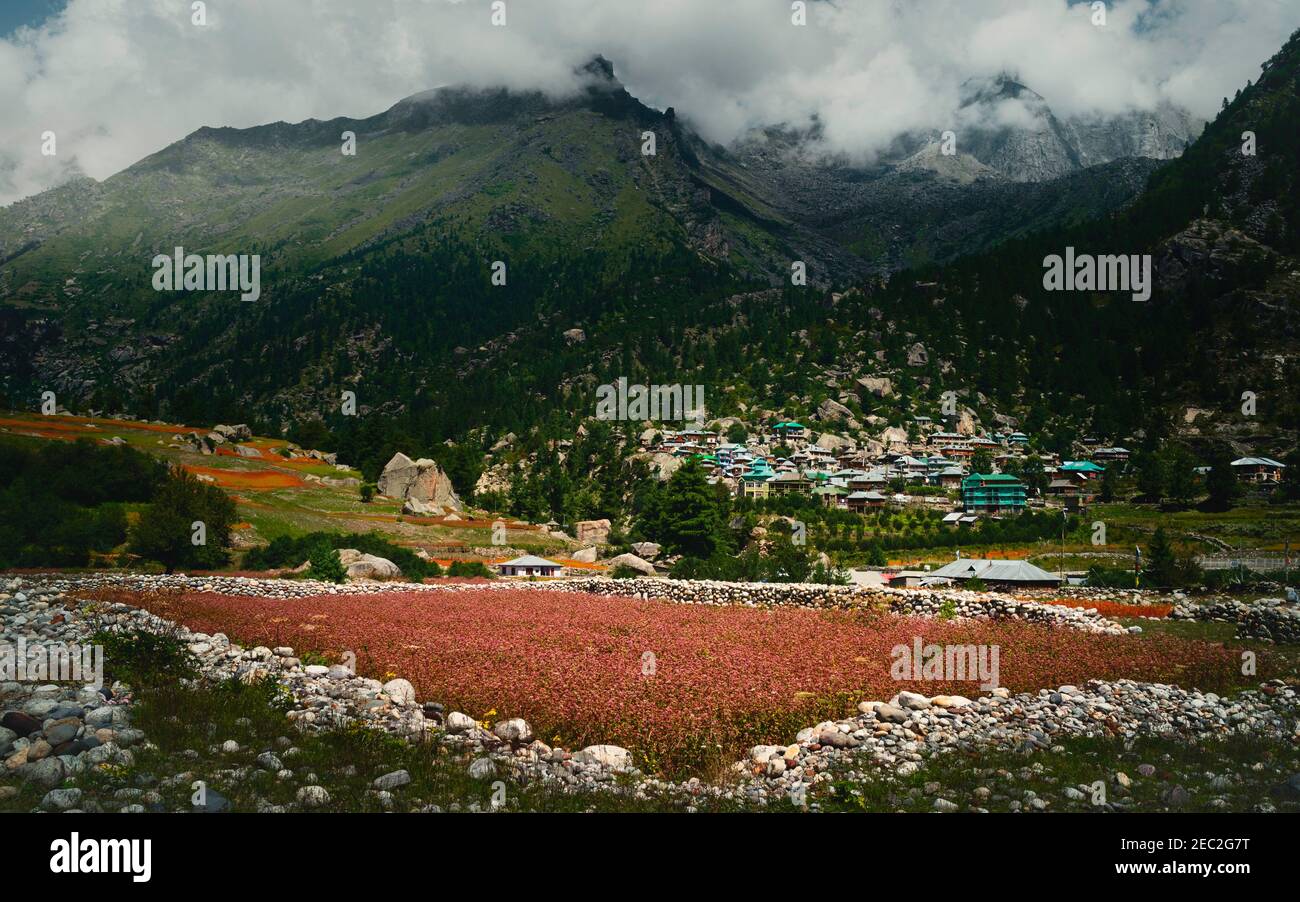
point(118, 79)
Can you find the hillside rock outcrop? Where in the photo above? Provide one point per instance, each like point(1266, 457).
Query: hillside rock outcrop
point(420, 480)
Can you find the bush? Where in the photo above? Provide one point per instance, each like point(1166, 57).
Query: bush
point(1110, 578)
point(61, 503)
point(469, 569)
point(326, 565)
point(165, 531)
point(135, 655)
point(288, 551)
point(623, 571)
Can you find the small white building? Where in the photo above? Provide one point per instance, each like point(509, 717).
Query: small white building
point(530, 565)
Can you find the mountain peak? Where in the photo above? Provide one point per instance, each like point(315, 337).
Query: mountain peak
point(599, 72)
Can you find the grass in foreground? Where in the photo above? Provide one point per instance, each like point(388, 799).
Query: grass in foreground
point(187, 722)
point(1236, 773)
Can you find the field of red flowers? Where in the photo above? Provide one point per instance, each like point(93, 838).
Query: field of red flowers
point(687, 688)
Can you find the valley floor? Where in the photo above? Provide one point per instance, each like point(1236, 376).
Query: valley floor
point(670, 707)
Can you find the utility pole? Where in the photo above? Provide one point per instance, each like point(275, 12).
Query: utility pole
point(1065, 514)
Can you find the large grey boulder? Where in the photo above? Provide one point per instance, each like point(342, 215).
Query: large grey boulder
point(636, 563)
point(879, 386)
point(832, 442)
point(414, 507)
point(646, 550)
point(237, 433)
point(420, 480)
point(592, 532)
point(612, 756)
point(368, 566)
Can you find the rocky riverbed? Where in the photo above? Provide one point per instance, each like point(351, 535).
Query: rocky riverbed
point(54, 732)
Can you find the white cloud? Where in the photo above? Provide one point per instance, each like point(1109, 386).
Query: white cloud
point(119, 79)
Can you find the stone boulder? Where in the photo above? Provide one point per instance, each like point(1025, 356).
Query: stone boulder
point(636, 563)
point(515, 730)
point(237, 433)
point(414, 507)
point(877, 385)
point(834, 411)
point(611, 756)
point(833, 442)
point(663, 464)
point(647, 550)
point(367, 566)
point(400, 691)
point(585, 555)
point(895, 435)
point(592, 532)
point(421, 480)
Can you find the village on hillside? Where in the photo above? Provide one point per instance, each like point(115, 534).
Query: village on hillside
point(985, 475)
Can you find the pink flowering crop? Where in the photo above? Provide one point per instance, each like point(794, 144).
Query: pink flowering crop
point(720, 680)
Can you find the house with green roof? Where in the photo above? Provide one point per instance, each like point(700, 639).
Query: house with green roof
point(831, 495)
point(790, 429)
point(1082, 466)
point(992, 493)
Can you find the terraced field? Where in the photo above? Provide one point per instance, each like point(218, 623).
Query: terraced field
point(276, 495)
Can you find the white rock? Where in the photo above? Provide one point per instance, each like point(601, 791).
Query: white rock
point(611, 756)
point(482, 768)
point(460, 723)
point(400, 691)
point(313, 796)
point(514, 730)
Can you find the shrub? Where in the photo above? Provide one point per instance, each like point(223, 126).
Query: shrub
point(62, 503)
point(165, 533)
point(289, 551)
point(1110, 578)
point(137, 654)
point(326, 566)
point(469, 569)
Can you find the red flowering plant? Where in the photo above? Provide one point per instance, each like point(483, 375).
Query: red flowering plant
point(687, 688)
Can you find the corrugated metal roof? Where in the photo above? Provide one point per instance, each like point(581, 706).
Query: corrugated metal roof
point(530, 560)
point(996, 571)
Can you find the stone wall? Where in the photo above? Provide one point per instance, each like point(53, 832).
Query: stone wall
point(1270, 619)
point(927, 603)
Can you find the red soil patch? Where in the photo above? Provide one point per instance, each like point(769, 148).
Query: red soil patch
point(248, 479)
point(67, 423)
point(724, 678)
